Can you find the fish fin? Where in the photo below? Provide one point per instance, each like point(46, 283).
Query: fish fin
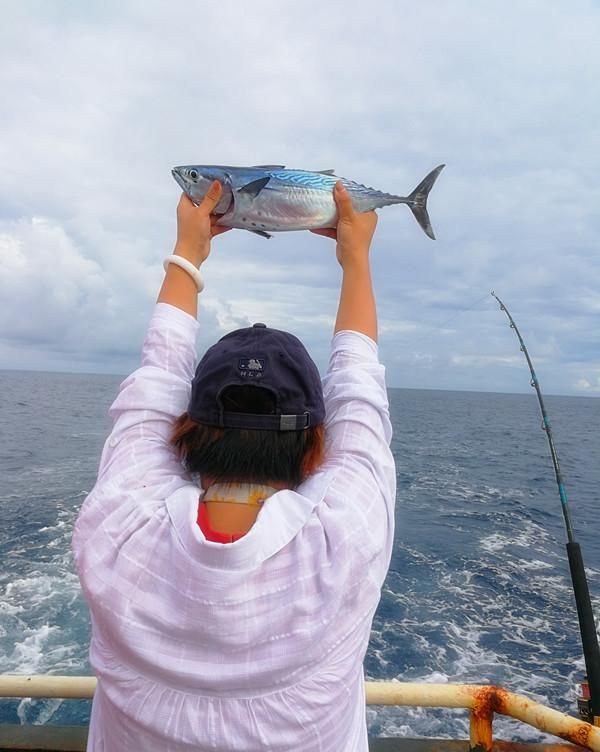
point(255, 187)
point(326, 172)
point(417, 201)
point(269, 166)
point(262, 233)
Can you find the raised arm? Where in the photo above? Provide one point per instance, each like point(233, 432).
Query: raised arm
point(358, 428)
point(354, 232)
point(354, 389)
point(139, 449)
point(195, 229)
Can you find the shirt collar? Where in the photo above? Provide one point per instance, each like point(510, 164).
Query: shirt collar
point(282, 516)
point(253, 494)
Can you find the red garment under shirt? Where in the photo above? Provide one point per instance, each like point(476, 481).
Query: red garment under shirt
point(211, 534)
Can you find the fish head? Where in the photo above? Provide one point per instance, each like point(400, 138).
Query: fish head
point(195, 180)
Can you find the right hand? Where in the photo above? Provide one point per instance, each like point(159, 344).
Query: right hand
point(196, 226)
point(354, 230)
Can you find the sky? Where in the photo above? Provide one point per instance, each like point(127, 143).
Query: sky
point(99, 100)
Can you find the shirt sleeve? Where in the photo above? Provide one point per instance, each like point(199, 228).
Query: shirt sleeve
point(356, 404)
point(358, 435)
point(138, 451)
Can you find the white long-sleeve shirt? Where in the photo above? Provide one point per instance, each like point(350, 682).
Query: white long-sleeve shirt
point(252, 646)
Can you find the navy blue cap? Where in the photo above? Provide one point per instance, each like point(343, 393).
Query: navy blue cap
point(266, 358)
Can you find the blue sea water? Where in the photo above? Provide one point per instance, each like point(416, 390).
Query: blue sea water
point(478, 589)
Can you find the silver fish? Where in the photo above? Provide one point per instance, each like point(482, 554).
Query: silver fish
point(272, 198)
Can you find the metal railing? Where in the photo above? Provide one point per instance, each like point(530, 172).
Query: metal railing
point(481, 700)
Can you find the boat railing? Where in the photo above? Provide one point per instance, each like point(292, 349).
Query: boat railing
point(482, 702)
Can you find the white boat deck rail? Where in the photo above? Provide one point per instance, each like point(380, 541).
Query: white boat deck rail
point(482, 702)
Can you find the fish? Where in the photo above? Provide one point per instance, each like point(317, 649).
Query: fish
point(271, 198)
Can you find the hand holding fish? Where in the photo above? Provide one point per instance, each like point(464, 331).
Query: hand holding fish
point(196, 225)
point(354, 230)
point(357, 310)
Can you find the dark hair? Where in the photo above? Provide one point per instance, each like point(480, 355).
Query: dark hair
point(249, 455)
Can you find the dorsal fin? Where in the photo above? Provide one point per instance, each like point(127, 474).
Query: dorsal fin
point(326, 172)
point(269, 166)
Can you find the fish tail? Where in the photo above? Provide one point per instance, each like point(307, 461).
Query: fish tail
point(417, 201)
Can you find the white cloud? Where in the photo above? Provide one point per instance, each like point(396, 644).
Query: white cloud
point(485, 360)
point(71, 308)
point(46, 285)
point(590, 385)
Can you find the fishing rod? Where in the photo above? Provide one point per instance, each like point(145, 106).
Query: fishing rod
point(587, 626)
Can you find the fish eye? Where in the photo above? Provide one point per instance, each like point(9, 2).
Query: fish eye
point(193, 174)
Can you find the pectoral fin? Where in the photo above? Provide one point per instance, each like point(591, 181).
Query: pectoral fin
point(255, 187)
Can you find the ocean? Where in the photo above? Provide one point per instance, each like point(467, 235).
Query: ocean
point(478, 589)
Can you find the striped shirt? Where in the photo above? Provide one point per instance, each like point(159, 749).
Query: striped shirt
point(253, 645)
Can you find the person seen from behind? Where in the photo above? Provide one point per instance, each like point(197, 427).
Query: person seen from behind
point(234, 546)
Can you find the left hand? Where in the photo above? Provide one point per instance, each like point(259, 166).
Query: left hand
point(196, 226)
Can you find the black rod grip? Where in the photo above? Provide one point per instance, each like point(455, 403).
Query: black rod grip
point(587, 627)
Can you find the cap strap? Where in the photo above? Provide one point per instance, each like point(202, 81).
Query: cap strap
point(263, 422)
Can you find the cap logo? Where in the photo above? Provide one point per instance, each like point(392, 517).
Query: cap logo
point(251, 368)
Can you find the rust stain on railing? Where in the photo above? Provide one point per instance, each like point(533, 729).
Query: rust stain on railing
point(488, 700)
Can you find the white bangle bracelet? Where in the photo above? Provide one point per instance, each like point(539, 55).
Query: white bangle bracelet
point(186, 266)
